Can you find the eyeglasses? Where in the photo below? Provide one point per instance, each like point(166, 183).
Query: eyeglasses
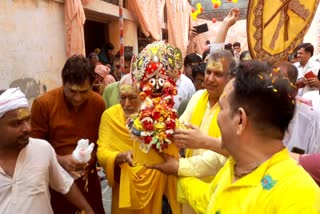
point(130, 98)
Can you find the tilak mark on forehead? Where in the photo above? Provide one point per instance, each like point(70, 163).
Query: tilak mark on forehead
point(23, 113)
point(78, 88)
point(215, 66)
point(127, 88)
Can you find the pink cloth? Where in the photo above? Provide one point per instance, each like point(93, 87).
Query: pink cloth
point(109, 79)
point(178, 24)
point(311, 163)
point(102, 70)
point(150, 16)
point(304, 100)
point(74, 21)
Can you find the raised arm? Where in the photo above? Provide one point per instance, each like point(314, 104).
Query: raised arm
point(227, 22)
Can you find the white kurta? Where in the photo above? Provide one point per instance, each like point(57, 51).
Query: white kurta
point(36, 169)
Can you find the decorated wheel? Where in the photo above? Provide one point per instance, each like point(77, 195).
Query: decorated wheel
point(275, 28)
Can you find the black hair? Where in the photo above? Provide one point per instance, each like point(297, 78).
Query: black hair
point(91, 55)
point(265, 95)
point(192, 58)
point(292, 71)
point(108, 46)
point(228, 47)
point(127, 55)
point(77, 70)
point(236, 44)
point(199, 69)
point(292, 56)
point(243, 54)
point(308, 47)
point(205, 54)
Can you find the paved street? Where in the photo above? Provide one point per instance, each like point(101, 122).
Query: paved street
point(106, 192)
point(106, 196)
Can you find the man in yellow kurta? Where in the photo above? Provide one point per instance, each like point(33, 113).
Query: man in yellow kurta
point(203, 109)
point(135, 189)
point(260, 176)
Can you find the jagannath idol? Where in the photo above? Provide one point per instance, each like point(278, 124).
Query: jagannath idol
point(156, 68)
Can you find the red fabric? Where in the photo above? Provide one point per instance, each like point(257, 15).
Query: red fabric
point(311, 163)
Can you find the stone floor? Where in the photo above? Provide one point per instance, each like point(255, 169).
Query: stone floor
point(106, 194)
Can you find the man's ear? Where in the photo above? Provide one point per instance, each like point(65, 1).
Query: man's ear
point(242, 121)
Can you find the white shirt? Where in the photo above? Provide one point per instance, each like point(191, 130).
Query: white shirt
point(300, 69)
point(28, 190)
point(300, 75)
point(314, 96)
point(304, 129)
point(185, 89)
point(314, 66)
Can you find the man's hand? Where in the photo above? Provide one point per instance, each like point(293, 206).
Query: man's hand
point(124, 157)
point(232, 17)
point(313, 82)
point(228, 21)
point(300, 83)
point(191, 138)
point(170, 165)
point(71, 165)
point(193, 33)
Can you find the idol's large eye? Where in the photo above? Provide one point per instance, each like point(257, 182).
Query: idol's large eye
point(152, 81)
point(161, 81)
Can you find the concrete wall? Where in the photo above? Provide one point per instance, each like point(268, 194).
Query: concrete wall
point(32, 41)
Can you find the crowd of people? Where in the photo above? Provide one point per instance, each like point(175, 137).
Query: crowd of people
point(246, 140)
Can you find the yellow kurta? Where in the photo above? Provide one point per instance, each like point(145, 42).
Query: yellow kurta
point(140, 189)
point(201, 162)
point(279, 185)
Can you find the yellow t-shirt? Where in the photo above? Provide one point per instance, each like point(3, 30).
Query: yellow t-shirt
point(279, 185)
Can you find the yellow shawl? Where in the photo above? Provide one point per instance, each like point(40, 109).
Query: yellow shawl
point(140, 189)
point(198, 114)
